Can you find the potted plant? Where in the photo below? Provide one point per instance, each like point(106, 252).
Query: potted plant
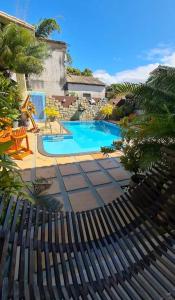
point(130, 158)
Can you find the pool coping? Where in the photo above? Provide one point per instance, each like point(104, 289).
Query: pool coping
point(42, 151)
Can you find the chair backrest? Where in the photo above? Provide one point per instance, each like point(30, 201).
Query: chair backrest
point(5, 135)
point(18, 135)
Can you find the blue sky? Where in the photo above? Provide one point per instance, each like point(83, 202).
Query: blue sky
point(120, 40)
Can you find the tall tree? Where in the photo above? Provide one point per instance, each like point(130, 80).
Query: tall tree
point(46, 27)
point(155, 127)
point(20, 51)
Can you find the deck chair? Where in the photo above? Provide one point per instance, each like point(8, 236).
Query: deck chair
point(5, 135)
point(17, 150)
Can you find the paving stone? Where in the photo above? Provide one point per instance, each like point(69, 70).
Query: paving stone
point(119, 174)
point(26, 174)
point(46, 172)
point(69, 169)
point(54, 188)
point(109, 163)
point(74, 182)
point(82, 201)
point(109, 193)
point(89, 166)
point(97, 178)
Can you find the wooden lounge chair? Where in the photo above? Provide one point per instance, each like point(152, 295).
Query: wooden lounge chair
point(5, 135)
point(28, 108)
point(17, 150)
point(117, 251)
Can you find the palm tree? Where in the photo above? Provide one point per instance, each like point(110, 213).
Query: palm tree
point(156, 95)
point(20, 51)
point(45, 28)
point(155, 127)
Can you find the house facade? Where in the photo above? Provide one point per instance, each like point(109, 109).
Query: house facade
point(85, 86)
point(52, 80)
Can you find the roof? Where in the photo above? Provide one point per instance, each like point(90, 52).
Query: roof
point(90, 80)
point(55, 42)
point(5, 19)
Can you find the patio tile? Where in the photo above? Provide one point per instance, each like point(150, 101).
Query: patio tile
point(89, 166)
point(74, 182)
point(46, 172)
point(109, 193)
point(83, 200)
point(69, 169)
point(108, 163)
point(119, 174)
point(98, 178)
point(54, 188)
point(26, 174)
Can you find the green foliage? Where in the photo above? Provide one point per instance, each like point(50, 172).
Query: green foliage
point(20, 51)
point(106, 110)
point(123, 111)
point(87, 72)
point(146, 134)
point(45, 28)
point(37, 192)
point(9, 99)
point(74, 71)
point(11, 183)
point(68, 58)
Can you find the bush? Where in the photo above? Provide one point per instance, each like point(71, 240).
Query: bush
point(106, 110)
point(123, 111)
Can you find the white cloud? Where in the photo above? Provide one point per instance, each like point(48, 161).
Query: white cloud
point(163, 56)
point(139, 74)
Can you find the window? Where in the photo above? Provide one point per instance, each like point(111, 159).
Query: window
point(88, 96)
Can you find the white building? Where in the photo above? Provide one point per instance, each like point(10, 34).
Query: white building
point(85, 86)
point(52, 79)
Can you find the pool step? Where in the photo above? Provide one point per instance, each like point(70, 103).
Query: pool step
point(57, 138)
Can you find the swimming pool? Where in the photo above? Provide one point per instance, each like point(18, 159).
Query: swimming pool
point(83, 137)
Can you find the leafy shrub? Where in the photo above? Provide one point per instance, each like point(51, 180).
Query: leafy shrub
point(106, 110)
point(51, 112)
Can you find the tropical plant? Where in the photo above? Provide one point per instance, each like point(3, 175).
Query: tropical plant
point(45, 28)
point(72, 71)
point(155, 127)
point(9, 101)
point(51, 112)
point(11, 182)
point(106, 110)
point(20, 51)
point(37, 193)
point(87, 72)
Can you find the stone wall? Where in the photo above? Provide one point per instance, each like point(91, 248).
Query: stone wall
point(81, 109)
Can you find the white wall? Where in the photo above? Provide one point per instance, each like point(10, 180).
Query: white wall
point(95, 90)
point(52, 79)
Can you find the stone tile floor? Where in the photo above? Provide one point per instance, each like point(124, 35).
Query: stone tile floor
point(81, 182)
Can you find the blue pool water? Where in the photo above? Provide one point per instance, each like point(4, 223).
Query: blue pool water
point(88, 136)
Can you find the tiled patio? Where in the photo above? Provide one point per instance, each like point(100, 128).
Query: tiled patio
point(80, 182)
